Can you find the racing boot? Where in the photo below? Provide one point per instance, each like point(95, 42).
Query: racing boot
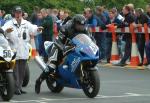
point(42, 77)
point(39, 81)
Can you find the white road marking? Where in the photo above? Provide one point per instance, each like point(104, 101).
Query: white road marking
point(44, 100)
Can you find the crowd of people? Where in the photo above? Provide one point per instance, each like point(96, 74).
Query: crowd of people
point(19, 26)
point(129, 15)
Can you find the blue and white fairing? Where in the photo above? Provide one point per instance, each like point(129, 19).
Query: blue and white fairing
point(85, 50)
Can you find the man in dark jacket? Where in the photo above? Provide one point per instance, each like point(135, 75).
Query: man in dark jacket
point(129, 19)
point(47, 34)
point(141, 19)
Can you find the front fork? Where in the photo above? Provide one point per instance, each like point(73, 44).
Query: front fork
point(81, 73)
point(84, 73)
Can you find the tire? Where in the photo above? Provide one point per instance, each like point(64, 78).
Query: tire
point(26, 76)
point(92, 82)
point(53, 85)
point(9, 87)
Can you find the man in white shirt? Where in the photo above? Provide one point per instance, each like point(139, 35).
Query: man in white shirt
point(18, 33)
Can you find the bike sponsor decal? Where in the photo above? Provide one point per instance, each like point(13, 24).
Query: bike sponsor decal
point(75, 63)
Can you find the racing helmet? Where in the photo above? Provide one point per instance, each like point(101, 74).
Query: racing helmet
point(79, 19)
point(79, 22)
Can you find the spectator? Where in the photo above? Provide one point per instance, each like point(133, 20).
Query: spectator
point(3, 12)
point(105, 15)
point(131, 7)
point(147, 48)
point(100, 37)
point(141, 19)
point(25, 16)
point(148, 13)
point(7, 17)
point(129, 19)
point(47, 34)
point(107, 37)
point(2, 21)
point(17, 31)
point(54, 15)
point(117, 19)
point(60, 17)
point(99, 12)
point(49, 11)
point(38, 37)
point(66, 16)
point(148, 10)
point(33, 18)
point(92, 20)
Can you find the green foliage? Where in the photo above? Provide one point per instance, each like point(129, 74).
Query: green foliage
point(76, 6)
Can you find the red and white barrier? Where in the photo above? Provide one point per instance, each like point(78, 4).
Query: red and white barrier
point(135, 59)
point(121, 30)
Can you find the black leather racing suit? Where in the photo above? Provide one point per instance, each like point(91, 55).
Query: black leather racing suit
point(55, 52)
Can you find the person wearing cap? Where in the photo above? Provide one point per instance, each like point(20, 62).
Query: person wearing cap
point(17, 31)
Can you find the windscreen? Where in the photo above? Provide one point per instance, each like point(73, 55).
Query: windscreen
point(83, 39)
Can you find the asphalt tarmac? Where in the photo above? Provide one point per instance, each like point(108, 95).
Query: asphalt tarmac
point(118, 85)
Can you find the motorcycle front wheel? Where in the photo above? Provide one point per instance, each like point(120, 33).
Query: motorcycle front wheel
point(91, 83)
point(53, 85)
point(9, 86)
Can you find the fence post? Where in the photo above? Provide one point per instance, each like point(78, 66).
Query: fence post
point(34, 51)
point(134, 51)
point(114, 50)
point(146, 40)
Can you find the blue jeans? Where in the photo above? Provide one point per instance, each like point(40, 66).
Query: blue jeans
point(38, 43)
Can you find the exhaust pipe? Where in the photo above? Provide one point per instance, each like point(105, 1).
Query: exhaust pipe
point(41, 63)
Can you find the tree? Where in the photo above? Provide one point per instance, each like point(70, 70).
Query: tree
point(75, 6)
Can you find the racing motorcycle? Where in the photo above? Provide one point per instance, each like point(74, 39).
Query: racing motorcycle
point(78, 67)
point(7, 63)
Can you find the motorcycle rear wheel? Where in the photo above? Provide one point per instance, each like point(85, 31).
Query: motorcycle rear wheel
point(91, 83)
point(9, 87)
point(53, 85)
